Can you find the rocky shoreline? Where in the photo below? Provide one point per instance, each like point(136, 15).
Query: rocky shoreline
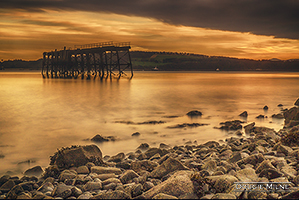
point(214, 170)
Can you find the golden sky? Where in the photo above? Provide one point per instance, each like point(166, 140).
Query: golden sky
point(26, 34)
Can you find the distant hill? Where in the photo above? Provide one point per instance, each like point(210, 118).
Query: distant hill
point(170, 61)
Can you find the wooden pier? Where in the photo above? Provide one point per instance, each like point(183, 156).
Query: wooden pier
point(103, 60)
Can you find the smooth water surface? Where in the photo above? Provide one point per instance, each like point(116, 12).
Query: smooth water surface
point(37, 115)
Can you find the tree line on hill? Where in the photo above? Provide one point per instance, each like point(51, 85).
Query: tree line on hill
point(172, 61)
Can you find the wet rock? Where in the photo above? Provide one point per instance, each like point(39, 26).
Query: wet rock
point(284, 149)
point(3, 179)
point(105, 170)
point(164, 196)
point(247, 175)
point(116, 194)
point(34, 171)
point(92, 186)
point(231, 125)
point(252, 159)
point(291, 115)
point(46, 187)
point(291, 138)
point(194, 113)
point(178, 184)
point(99, 138)
point(136, 134)
point(277, 116)
point(85, 195)
point(128, 176)
point(249, 128)
point(244, 114)
point(15, 192)
point(152, 151)
point(123, 165)
point(76, 191)
point(211, 144)
point(77, 156)
point(224, 196)
point(117, 158)
point(187, 125)
point(266, 164)
point(136, 190)
point(297, 102)
point(237, 157)
point(170, 165)
point(260, 117)
point(146, 165)
point(67, 174)
point(143, 146)
point(62, 190)
point(147, 185)
point(164, 146)
point(265, 108)
point(82, 170)
point(111, 180)
point(256, 194)
point(270, 173)
point(223, 182)
point(7, 186)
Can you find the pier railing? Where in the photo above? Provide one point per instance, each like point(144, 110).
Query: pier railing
point(104, 59)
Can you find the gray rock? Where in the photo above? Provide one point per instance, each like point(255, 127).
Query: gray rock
point(148, 185)
point(103, 177)
point(77, 156)
point(143, 146)
point(34, 171)
point(209, 166)
point(105, 170)
point(46, 187)
point(117, 158)
point(85, 195)
point(270, 173)
point(252, 159)
point(76, 192)
point(67, 174)
point(111, 180)
point(237, 156)
point(136, 190)
point(256, 194)
point(110, 186)
point(92, 186)
point(82, 170)
point(224, 196)
point(194, 113)
point(116, 194)
point(62, 190)
point(247, 175)
point(146, 165)
point(164, 196)
point(128, 176)
point(178, 184)
point(284, 149)
point(170, 165)
point(223, 182)
point(244, 114)
point(291, 115)
point(7, 186)
point(249, 128)
point(266, 164)
point(14, 192)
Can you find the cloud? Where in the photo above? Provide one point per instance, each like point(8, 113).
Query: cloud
point(279, 18)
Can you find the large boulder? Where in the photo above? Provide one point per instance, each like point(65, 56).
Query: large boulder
point(170, 165)
point(34, 171)
point(76, 156)
point(291, 116)
point(176, 185)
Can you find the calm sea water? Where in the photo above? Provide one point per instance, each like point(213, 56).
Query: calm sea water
point(37, 115)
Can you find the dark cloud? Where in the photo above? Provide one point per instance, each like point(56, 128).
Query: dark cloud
point(279, 18)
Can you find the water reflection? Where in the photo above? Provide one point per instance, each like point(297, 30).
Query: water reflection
point(40, 115)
